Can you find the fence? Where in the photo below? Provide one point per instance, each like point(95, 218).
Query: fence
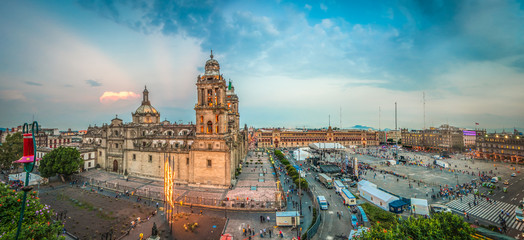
point(314, 227)
point(232, 204)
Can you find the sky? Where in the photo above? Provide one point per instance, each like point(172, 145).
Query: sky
point(72, 64)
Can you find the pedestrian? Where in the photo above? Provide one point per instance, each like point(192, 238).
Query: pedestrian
point(268, 218)
point(201, 212)
point(244, 232)
point(269, 231)
point(280, 233)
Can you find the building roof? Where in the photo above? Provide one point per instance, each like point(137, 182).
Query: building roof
point(327, 146)
point(377, 193)
point(288, 214)
point(397, 203)
point(363, 183)
point(146, 109)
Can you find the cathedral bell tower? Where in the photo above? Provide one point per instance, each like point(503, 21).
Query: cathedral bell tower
point(211, 108)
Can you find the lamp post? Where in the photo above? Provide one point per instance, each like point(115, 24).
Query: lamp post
point(28, 159)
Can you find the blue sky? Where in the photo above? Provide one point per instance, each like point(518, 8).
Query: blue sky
point(293, 63)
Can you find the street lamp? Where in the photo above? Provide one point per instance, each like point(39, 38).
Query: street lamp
point(28, 159)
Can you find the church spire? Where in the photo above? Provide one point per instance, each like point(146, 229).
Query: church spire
point(145, 97)
point(211, 54)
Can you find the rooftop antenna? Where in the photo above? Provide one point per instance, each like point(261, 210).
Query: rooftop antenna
point(395, 116)
point(424, 107)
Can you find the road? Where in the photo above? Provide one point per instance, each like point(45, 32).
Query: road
point(331, 227)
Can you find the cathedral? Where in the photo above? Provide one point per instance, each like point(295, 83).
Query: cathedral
point(204, 154)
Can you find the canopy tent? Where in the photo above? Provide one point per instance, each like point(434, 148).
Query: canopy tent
point(302, 154)
point(419, 206)
point(397, 206)
point(326, 146)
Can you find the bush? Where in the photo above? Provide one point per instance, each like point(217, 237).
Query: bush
point(38, 218)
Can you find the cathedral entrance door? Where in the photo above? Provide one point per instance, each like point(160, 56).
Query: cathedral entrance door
point(115, 166)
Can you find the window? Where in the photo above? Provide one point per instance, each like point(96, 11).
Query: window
point(208, 163)
point(143, 144)
point(201, 119)
point(150, 158)
point(116, 145)
point(134, 157)
point(202, 129)
point(209, 127)
point(216, 117)
point(216, 130)
point(187, 161)
point(88, 164)
point(116, 133)
point(209, 146)
point(99, 153)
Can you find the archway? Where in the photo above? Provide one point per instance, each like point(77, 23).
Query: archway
point(115, 166)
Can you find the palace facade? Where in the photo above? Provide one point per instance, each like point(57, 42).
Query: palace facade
point(300, 138)
point(204, 154)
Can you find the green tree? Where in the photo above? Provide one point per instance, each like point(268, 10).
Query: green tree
point(38, 218)
point(440, 226)
point(62, 161)
point(11, 150)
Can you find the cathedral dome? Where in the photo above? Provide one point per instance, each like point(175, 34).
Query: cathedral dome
point(212, 66)
point(146, 109)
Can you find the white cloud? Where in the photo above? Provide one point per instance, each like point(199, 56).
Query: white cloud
point(108, 97)
point(12, 95)
point(307, 6)
point(323, 7)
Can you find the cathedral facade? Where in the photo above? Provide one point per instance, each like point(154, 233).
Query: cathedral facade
point(205, 154)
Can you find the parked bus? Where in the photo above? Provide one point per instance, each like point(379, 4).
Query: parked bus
point(349, 199)
point(322, 202)
point(339, 186)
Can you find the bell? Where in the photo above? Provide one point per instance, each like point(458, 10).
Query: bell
point(29, 150)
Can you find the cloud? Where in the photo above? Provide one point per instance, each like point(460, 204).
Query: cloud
point(93, 83)
point(33, 83)
point(13, 95)
point(323, 7)
point(307, 6)
point(108, 97)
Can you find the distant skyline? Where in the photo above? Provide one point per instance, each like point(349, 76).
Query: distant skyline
point(72, 64)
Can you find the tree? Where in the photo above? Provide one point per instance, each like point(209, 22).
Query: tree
point(62, 161)
point(11, 150)
point(440, 226)
point(38, 218)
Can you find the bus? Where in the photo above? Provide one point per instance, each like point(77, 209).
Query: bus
point(339, 186)
point(322, 202)
point(349, 199)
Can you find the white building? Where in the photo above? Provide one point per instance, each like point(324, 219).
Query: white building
point(370, 192)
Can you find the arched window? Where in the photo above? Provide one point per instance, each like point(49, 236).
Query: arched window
point(209, 127)
point(116, 133)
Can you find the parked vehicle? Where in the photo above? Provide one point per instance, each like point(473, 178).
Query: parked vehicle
point(323, 202)
point(436, 208)
point(326, 180)
point(354, 221)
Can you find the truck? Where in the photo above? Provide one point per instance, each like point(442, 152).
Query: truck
point(441, 164)
point(326, 180)
point(322, 202)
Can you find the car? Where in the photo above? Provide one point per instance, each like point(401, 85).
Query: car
point(354, 220)
point(506, 182)
point(513, 174)
point(436, 208)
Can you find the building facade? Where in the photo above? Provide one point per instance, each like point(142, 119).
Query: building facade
point(501, 147)
point(443, 138)
point(206, 153)
point(300, 138)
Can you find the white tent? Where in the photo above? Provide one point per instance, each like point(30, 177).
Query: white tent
point(33, 178)
point(304, 153)
point(419, 206)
